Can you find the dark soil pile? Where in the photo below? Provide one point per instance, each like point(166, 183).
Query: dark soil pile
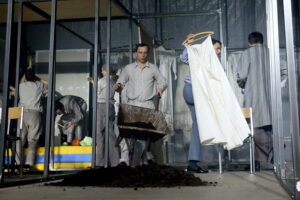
point(140, 176)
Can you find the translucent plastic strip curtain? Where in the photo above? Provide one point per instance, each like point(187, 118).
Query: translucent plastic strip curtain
point(276, 102)
point(18, 65)
point(17, 74)
point(95, 85)
point(51, 73)
point(223, 51)
point(130, 32)
point(288, 23)
point(224, 64)
point(108, 43)
point(9, 21)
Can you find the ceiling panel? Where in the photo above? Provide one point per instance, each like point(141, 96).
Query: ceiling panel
point(66, 9)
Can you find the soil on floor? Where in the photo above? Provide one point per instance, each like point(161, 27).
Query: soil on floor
point(140, 176)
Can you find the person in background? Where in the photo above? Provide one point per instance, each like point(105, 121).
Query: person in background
point(73, 111)
point(100, 131)
point(254, 77)
point(30, 93)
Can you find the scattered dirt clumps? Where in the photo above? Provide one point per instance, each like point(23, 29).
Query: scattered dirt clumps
point(137, 177)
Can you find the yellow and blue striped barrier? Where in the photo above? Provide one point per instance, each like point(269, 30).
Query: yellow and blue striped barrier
point(62, 157)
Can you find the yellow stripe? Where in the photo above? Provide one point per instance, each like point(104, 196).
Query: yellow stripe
point(40, 167)
point(60, 150)
point(66, 150)
point(9, 152)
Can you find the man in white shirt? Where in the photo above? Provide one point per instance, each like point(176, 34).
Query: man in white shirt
point(143, 81)
point(100, 139)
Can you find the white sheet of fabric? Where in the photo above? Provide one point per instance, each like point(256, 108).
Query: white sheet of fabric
point(219, 116)
point(167, 66)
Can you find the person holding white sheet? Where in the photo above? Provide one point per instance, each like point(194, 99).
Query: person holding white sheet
point(194, 155)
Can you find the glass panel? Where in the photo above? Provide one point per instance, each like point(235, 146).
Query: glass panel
point(72, 90)
point(286, 159)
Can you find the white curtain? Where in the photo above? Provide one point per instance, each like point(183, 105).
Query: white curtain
point(232, 63)
point(166, 61)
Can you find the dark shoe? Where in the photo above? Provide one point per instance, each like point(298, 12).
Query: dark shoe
point(122, 164)
point(32, 170)
point(150, 162)
point(197, 170)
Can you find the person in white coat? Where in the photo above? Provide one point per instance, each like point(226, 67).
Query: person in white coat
point(100, 137)
point(254, 78)
point(73, 109)
point(30, 93)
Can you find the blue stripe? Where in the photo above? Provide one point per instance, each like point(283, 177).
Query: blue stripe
point(60, 158)
point(66, 158)
point(7, 160)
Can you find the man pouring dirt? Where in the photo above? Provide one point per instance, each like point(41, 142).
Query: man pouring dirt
point(142, 79)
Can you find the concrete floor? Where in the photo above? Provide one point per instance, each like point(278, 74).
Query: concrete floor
point(231, 186)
